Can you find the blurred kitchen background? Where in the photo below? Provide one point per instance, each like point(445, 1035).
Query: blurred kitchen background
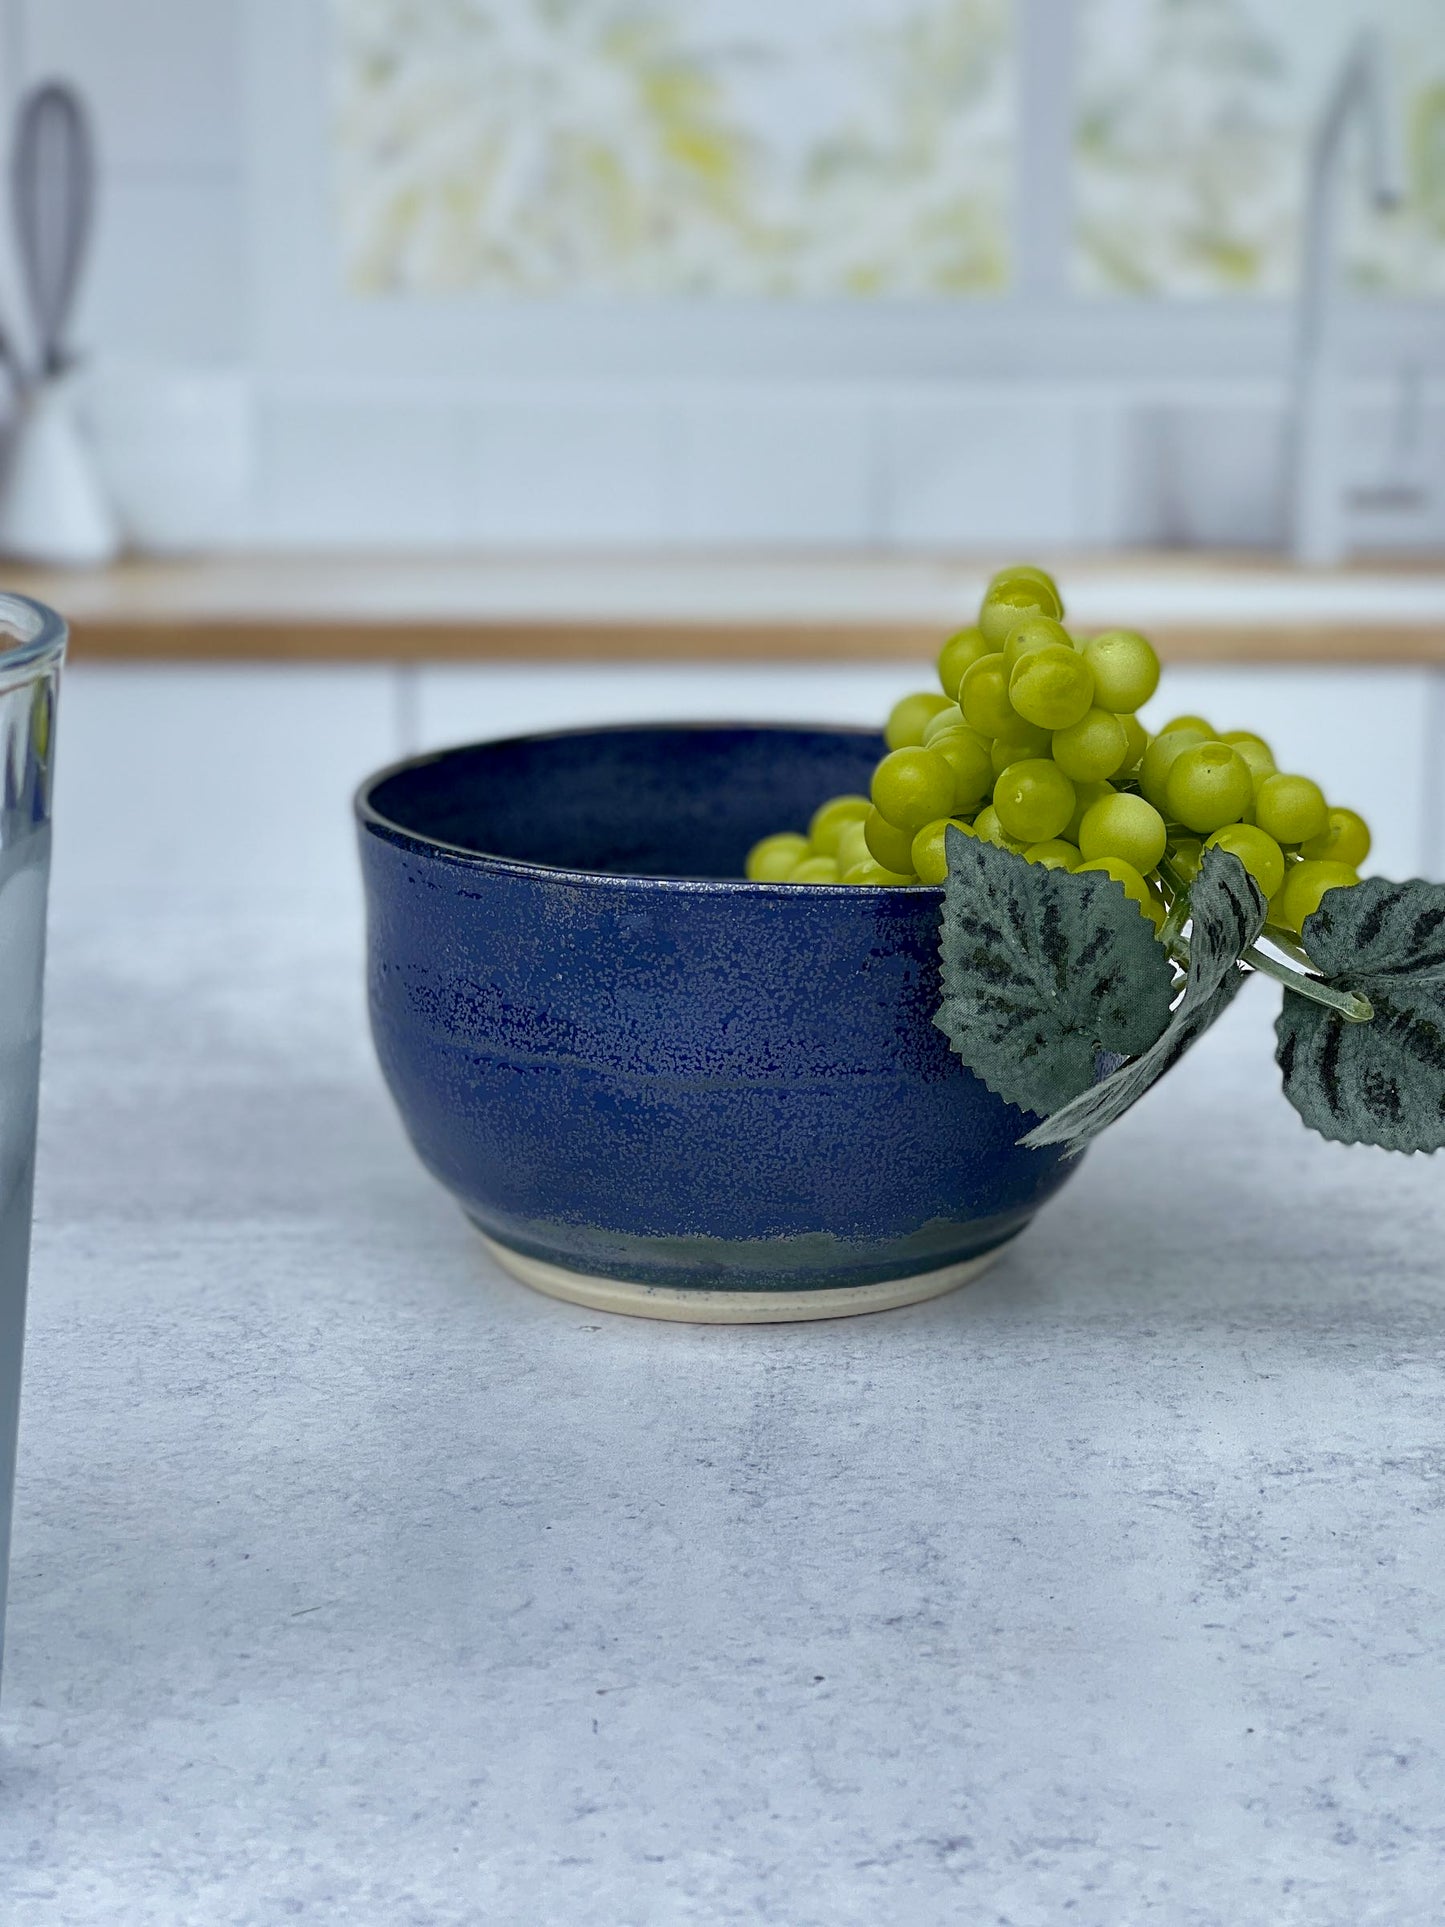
point(911, 274)
point(493, 362)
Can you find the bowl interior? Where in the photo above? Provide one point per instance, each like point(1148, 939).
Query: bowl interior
point(667, 800)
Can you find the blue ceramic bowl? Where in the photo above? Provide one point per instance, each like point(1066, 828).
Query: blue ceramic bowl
point(654, 1085)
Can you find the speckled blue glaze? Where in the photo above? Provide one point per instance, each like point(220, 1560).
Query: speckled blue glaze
point(621, 1058)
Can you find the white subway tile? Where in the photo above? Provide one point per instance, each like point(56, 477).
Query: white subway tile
point(977, 472)
point(202, 784)
point(167, 281)
point(1395, 472)
point(558, 471)
point(1118, 497)
point(775, 469)
point(1223, 476)
point(160, 75)
point(504, 699)
point(351, 471)
point(1433, 864)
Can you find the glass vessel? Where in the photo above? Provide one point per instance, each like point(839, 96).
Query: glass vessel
point(32, 646)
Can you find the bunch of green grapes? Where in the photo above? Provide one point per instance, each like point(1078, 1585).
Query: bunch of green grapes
point(1035, 745)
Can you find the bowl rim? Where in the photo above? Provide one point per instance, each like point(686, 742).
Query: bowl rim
point(376, 823)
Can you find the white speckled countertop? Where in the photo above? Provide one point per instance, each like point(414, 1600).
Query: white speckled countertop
point(353, 1583)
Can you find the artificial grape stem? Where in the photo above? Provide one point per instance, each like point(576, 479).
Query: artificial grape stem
point(1284, 942)
point(1350, 1005)
point(1354, 1008)
point(1172, 929)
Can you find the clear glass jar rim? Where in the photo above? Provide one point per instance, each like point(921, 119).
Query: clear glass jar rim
point(32, 636)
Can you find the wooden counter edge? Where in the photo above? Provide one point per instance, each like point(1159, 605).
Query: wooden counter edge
point(188, 639)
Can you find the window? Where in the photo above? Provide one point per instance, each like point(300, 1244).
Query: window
point(827, 148)
point(1192, 135)
point(836, 189)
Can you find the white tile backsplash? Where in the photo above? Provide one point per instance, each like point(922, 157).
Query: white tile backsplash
point(777, 468)
point(978, 471)
point(167, 281)
point(584, 470)
point(1434, 782)
point(503, 699)
point(161, 76)
point(1223, 473)
point(357, 472)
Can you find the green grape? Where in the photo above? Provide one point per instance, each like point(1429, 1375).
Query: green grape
point(1002, 753)
point(1304, 885)
point(960, 651)
point(1260, 854)
point(930, 857)
point(1054, 853)
point(1291, 809)
point(912, 786)
point(1207, 731)
point(830, 819)
point(1186, 856)
point(1346, 839)
point(1124, 826)
point(1125, 668)
point(1208, 786)
point(1086, 795)
point(910, 715)
point(888, 846)
point(814, 869)
point(987, 826)
point(1093, 748)
point(983, 697)
point(853, 844)
point(1010, 597)
point(1034, 632)
point(870, 872)
point(1030, 570)
point(1255, 751)
point(771, 858)
point(1033, 800)
point(1015, 748)
point(1137, 741)
point(970, 758)
point(1030, 736)
point(1135, 888)
point(947, 719)
point(1158, 760)
point(1017, 730)
point(1052, 687)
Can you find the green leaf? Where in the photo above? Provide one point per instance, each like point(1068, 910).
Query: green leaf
point(1042, 971)
point(1382, 1082)
point(1227, 911)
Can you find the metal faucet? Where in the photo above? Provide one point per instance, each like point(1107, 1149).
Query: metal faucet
point(1363, 88)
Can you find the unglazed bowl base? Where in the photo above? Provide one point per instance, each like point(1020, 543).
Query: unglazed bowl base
point(699, 1307)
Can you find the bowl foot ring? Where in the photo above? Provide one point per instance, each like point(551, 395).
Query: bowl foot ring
point(696, 1307)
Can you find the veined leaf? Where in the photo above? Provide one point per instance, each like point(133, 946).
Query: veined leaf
point(1382, 1082)
point(1227, 911)
point(1043, 970)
